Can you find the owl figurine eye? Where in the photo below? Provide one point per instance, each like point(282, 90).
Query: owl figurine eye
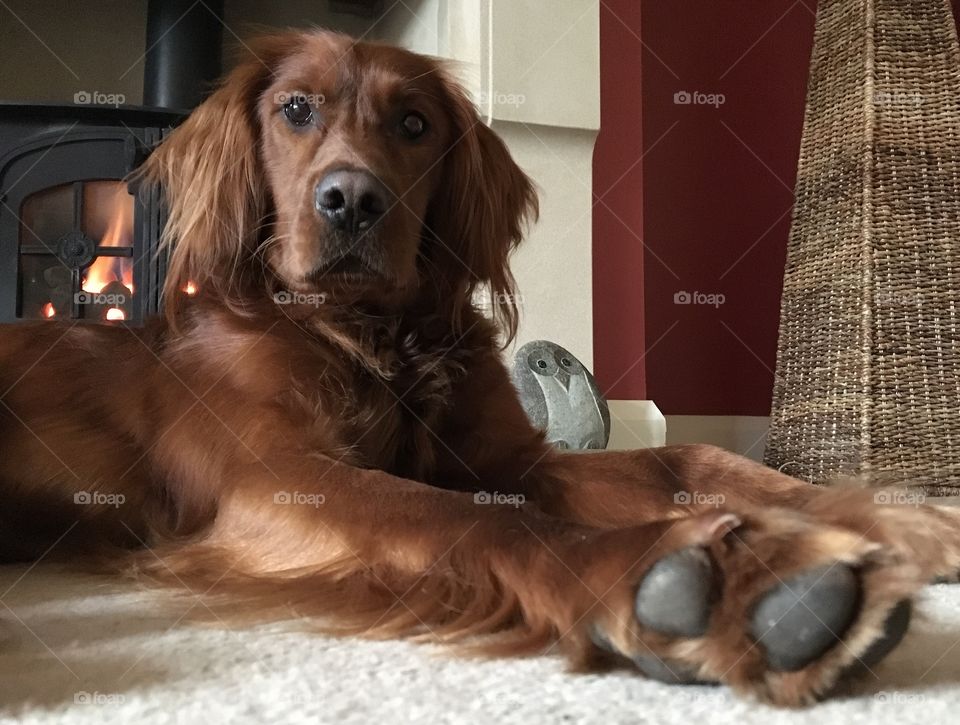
point(568, 362)
point(543, 364)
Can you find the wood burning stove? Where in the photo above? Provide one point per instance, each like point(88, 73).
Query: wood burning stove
point(76, 242)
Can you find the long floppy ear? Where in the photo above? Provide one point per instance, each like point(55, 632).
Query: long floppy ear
point(481, 212)
point(209, 174)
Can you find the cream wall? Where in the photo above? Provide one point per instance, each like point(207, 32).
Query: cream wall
point(412, 23)
point(553, 267)
point(51, 49)
point(531, 65)
point(534, 70)
point(542, 91)
point(743, 434)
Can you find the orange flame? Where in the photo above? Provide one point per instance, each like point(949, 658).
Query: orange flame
point(115, 313)
point(119, 233)
point(48, 310)
point(190, 288)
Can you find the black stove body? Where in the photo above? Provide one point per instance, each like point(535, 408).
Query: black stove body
point(77, 241)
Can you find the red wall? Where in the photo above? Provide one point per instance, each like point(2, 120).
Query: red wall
point(714, 212)
point(719, 194)
point(618, 254)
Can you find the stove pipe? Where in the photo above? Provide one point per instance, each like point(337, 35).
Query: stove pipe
point(184, 39)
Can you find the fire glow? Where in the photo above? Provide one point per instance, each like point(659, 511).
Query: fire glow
point(113, 275)
point(105, 270)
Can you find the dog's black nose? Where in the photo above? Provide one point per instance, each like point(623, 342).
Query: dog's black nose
point(352, 200)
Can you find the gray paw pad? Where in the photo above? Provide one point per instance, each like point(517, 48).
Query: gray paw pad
point(676, 595)
point(806, 615)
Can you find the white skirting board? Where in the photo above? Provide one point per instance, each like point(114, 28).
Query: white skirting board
point(743, 434)
point(635, 424)
point(640, 424)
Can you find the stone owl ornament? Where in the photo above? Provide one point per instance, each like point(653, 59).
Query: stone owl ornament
point(561, 397)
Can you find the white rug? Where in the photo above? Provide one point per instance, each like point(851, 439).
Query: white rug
point(80, 649)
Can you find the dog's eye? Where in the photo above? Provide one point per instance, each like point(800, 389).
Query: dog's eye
point(298, 111)
point(413, 125)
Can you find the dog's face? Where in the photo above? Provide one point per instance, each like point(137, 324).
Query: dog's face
point(357, 170)
point(353, 140)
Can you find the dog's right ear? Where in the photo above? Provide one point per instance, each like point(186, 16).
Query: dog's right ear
point(209, 174)
point(482, 210)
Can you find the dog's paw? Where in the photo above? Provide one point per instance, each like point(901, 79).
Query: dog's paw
point(775, 604)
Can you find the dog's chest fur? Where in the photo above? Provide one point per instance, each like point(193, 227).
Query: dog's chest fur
point(405, 389)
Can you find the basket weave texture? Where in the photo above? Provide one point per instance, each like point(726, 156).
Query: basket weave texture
point(868, 360)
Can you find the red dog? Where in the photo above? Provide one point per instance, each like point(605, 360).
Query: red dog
point(321, 457)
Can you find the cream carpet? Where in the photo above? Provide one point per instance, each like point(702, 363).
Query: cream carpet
point(78, 649)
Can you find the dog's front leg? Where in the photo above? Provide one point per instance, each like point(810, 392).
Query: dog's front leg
point(384, 555)
point(623, 488)
point(721, 595)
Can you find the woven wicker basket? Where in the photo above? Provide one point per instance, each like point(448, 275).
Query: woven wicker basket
point(867, 362)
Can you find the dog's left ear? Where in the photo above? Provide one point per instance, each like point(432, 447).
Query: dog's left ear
point(481, 211)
